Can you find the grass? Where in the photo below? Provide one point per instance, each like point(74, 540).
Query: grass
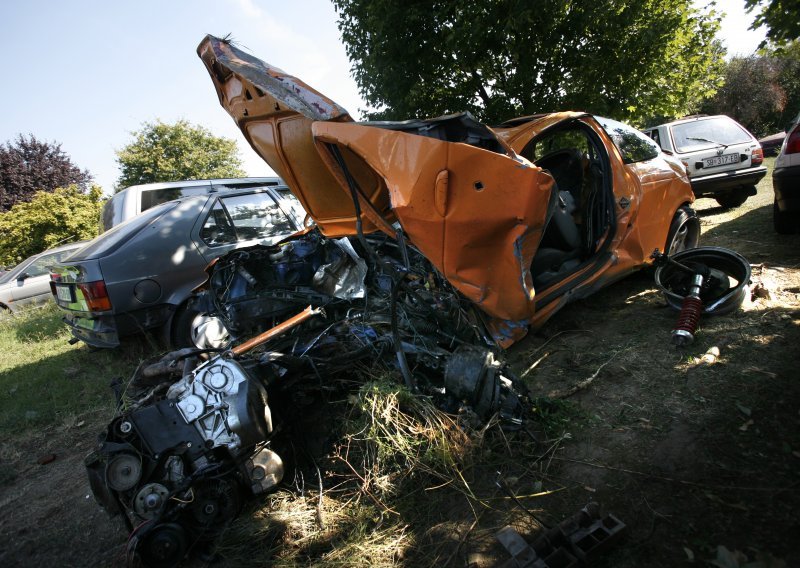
point(405, 485)
point(45, 381)
point(393, 448)
point(400, 484)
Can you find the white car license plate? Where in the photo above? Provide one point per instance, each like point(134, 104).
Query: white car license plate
point(64, 293)
point(721, 160)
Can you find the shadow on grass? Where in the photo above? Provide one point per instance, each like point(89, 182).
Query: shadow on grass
point(390, 515)
point(47, 379)
point(690, 455)
point(752, 236)
point(36, 324)
point(711, 211)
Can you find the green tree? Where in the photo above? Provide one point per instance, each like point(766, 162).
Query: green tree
point(751, 94)
point(761, 91)
point(627, 59)
point(180, 151)
point(789, 80)
point(61, 216)
point(28, 165)
point(780, 17)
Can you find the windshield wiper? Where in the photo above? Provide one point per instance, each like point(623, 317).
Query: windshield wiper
point(724, 146)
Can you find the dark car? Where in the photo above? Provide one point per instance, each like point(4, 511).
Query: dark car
point(140, 275)
point(786, 182)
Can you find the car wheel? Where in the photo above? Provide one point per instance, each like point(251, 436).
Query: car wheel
point(728, 286)
point(733, 198)
point(785, 222)
point(684, 231)
point(193, 328)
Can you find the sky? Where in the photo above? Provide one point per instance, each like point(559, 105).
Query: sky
point(87, 73)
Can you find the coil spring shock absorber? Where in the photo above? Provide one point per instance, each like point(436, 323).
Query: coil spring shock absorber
point(691, 308)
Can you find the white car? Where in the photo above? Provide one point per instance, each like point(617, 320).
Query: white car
point(129, 202)
point(28, 283)
point(786, 182)
point(723, 159)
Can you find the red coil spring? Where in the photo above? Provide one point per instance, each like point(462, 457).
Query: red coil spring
point(689, 317)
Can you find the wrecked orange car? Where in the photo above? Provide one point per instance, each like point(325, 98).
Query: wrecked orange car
point(520, 218)
point(436, 241)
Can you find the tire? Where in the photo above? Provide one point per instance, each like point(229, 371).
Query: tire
point(193, 328)
point(674, 283)
point(684, 231)
point(732, 198)
point(785, 222)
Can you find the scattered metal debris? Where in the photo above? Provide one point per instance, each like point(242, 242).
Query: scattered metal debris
point(577, 541)
point(193, 439)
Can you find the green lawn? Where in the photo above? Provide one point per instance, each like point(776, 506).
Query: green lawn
point(45, 381)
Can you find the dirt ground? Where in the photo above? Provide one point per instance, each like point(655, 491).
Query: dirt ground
point(698, 457)
point(692, 454)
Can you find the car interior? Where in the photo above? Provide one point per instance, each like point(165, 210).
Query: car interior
point(582, 215)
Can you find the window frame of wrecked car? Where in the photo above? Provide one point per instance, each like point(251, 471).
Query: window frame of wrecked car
point(629, 154)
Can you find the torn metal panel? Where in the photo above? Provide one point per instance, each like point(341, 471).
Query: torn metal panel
point(274, 112)
point(226, 62)
point(476, 215)
point(343, 278)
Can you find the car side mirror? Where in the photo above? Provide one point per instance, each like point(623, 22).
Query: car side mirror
point(22, 277)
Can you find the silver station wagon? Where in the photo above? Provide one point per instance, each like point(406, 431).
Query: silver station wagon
point(27, 283)
point(722, 158)
point(139, 275)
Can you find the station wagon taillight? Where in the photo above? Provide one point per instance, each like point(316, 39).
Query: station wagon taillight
point(96, 296)
point(793, 143)
point(757, 157)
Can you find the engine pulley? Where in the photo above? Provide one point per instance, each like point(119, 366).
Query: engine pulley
point(150, 499)
point(124, 471)
point(162, 546)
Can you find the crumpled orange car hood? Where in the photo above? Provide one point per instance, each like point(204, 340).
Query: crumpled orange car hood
point(477, 214)
point(274, 112)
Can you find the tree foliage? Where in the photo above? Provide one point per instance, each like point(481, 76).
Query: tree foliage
point(172, 152)
point(28, 165)
point(762, 92)
point(781, 18)
point(626, 59)
point(63, 215)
